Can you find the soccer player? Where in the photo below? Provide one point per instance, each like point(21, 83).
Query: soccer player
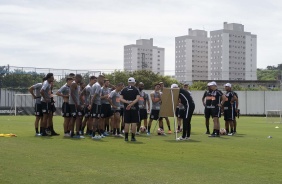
point(207, 108)
point(115, 102)
point(142, 103)
point(64, 92)
point(214, 101)
point(156, 106)
point(46, 103)
point(166, 118)
point(228, 109)
point(95, 107)
point(75, 106)
point(179, 113)
point(130, 96)
point(53, 109)
point(106, 112)
point(35, 92)
point(121, 114)
point(85, 97)
point(236, 112)
point(189, 105)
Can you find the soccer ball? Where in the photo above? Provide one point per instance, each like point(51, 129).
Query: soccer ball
point(222, 131)
point(160, 131)
point(143, 129)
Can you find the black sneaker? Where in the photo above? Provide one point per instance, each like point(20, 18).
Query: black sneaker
point(133, 139)
point(54, 133)
point(126, 139)
point(208, 132)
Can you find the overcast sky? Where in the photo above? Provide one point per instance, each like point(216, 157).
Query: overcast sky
point(90, 34)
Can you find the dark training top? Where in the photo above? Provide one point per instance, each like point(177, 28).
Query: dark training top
point(129, 93)
point(186, 98)
point(213, 98)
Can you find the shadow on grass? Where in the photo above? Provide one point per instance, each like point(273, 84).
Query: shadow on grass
point(131, 142)
point(184, 141)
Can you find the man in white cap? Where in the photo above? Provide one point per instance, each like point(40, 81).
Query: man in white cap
point(130, 96)
point(215, 101)
point(207, 108)
point(189, 105)
point(228, 107)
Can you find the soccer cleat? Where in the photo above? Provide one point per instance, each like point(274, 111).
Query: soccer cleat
point(126, 139)
point(169, 132)
point(105, 134)
point(133, 139)
point(137, 133)
point(148, 133)
point(119, 135)
point(102, 136)
point(187, 138)
point(230, 134)
point(96, 137)
point(54, 133)
point(180, 138)
point(48, 132)
point(208, 132)
point(38, 135)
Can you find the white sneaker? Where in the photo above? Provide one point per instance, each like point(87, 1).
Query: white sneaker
point(102, 136)
point(187, 138)
point(66, 135)
point(81, 137)
point(230, 134)
point(119, 135)
point(137, 133)
point(96, 137)
point(180, 138)
point(38, 134)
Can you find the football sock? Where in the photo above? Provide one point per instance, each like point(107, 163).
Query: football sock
point(149, 127)
point(178, 128)
point(36, 130)
point(93, 133)
point(126, 135)
point(162, 127)
point(118, 131)
point(208, 128)
point(132, 135)
point(168, 127)
point(108, 128)
point(114, 132)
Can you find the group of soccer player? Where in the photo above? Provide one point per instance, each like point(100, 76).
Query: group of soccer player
point(97, 108)
point(216, 103)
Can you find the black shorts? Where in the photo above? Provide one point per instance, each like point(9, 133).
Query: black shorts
point(38, 109)
point(86, 112)
point(155, 114)
point(106, 111)
point(95, 111)
point(53, 108)
point(80, 111)
point(121, 111)
point(228, 114)
point(66, 110)
point(216, 112)
point(143, 114)
point(131, 116)
point(180, 113)
point(73, 110)
point(46, 107)
point(208, 113)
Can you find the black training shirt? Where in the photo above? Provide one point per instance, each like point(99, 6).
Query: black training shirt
point(129, 93)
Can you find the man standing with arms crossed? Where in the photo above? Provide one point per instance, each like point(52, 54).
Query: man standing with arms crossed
point(130, 96)
point(215, 101)
point(46, 103)
point(95, 107)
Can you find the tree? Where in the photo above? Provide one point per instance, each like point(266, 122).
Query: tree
point(199, 85)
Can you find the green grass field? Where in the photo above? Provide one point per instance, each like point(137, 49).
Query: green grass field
point(248, 157)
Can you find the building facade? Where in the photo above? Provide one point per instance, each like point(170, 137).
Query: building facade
point(192, 56)
point(233, 53)
point(144, 56)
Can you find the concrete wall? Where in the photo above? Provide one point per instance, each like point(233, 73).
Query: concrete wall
point(250, 102)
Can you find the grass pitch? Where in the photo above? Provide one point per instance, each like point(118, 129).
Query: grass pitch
point(248, 157)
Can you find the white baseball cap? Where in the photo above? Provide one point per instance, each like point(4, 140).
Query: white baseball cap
point(174, 86)
point(212, 83)
point(227, 85)
point(131, 79)
point(209, 84)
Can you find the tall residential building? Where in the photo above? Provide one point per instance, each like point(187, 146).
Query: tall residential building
point(233, 53)
point(144, 56)
point(192, 56)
